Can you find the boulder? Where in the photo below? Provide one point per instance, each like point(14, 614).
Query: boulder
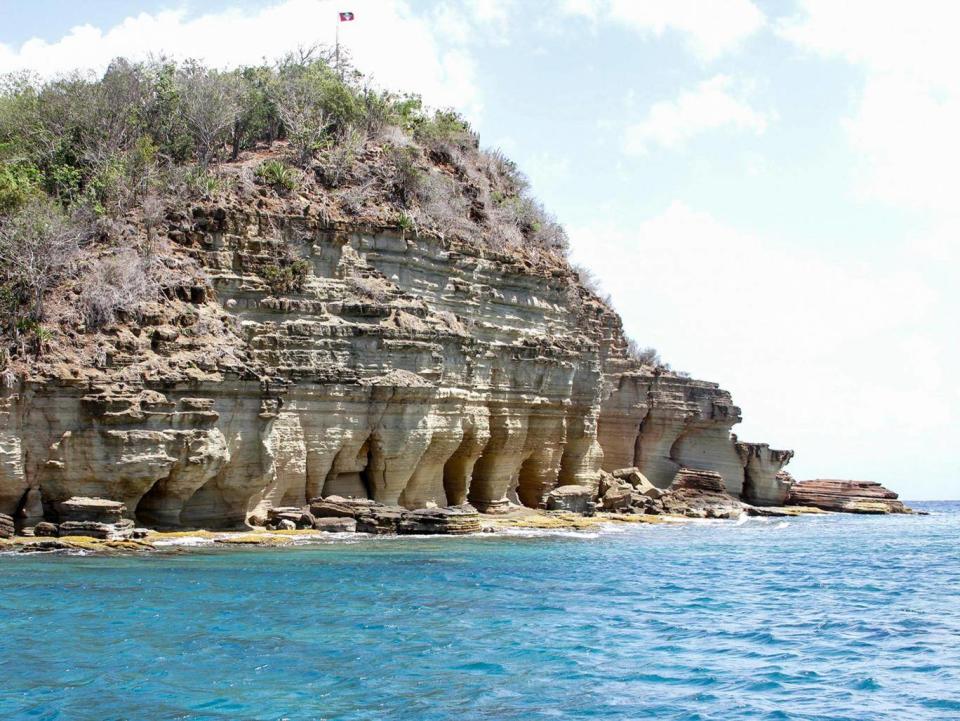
point(606, 482)
point(45, 528)
point(370, 516)
point(846, 497)
point(339, 507)
point(335, 525)
point(95, 529)
point(380, 519)
point(617, 498)
point(577, 499)
point(638, 481)
point(94, 510)
point(697, 493)
point(292, 515)
point(453, 520)
point(6, 526)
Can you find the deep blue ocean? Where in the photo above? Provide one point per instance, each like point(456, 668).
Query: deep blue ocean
point(831, 617)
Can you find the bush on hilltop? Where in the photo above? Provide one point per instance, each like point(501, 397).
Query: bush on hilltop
point(91, 165)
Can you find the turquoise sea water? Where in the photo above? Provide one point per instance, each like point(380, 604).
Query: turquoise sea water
point(835, 617)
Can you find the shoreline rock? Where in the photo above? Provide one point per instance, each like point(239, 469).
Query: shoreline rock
point(700, 494)
point(841, 496)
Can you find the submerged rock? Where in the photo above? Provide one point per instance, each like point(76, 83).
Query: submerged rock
point(846, 496)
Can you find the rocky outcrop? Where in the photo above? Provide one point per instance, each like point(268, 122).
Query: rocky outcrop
point(572, 498)
point(763, 482)
point(700, 494)
point(6, 526)
point(289, 519)
point(93, 510)
point(662, 422)
point(454, 520)
point(98, 518)
point(405, 370)
point(335, 525)
point(846, 497)
point(377, 518)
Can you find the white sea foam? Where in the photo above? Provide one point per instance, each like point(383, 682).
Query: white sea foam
point(189, 541)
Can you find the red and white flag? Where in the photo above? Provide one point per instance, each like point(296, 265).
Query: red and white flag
point(346, 17)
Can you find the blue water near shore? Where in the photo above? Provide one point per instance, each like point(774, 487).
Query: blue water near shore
point(832, 617)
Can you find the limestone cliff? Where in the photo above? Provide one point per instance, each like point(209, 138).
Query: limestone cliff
point(393, 320)
point(406, 368)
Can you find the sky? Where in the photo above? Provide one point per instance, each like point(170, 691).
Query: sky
point(766, 189)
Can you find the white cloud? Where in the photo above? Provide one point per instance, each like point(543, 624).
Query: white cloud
point(904, 126)
point(710, 28)
point(399, 48)
point(490, 11)
point(849, 364)
point(710, 106)
point(545, 167)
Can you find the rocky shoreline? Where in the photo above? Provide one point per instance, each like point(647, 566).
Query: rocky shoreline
point(623, 496)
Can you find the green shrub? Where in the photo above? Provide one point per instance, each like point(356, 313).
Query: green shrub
point(203, 182)
point(286, 276)
point(407, 175)
point(18, 182)
point(64, 181)
point(280, 177)
point(406, 223)
point(446, 126)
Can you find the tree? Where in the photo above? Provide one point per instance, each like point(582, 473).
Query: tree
point(210, 103)
point(38, 245)
point(646, 356)
point(296, 96)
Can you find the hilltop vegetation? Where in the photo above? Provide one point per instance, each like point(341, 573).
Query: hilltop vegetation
point(89, 164)
point(91, 167)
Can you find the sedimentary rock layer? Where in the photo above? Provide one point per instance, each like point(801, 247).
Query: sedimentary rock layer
point(662, 422)
point(408, 370)
point(846, 496)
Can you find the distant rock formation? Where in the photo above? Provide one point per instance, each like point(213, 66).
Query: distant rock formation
point(846, 496)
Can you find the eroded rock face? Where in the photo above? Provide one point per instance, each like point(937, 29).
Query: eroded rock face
point(764, 482)
point(846, 497)
point(409, 371)
point(700, 494)
point(661, 423)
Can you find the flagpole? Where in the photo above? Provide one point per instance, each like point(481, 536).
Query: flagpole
point(338, 48)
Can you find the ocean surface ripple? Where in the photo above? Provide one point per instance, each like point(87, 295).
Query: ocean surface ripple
point(833, 617)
